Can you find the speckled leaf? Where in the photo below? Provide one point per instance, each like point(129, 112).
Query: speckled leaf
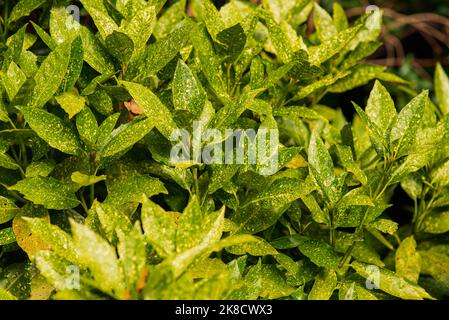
point(160, 53)
point(232, 41)
point(321, 167)
point(169, 18)
point(8, 210)
point(6, 295)
point(106, 128)
point(152, 107)
point(7, 162)
point(12, 80)
point(385, 226)
point(71, 102)
point(49, 192)
point(52, 130)
point(75, 65)
point(24, 8)
point(210, 63)
point(85, 180)
point(393, 284)
point(440, 176)
point(361, 75)
point(347, 160)
point(7, 236)
point(39, 169)
point(160, 227)
point(53, 237)
point(332, 46)
point(87, 126)
point(132, 255)
point(263, 209)
point(408, 260)
point(442, 89)
point(50, 75)
point(319, 252)
point(94, 52)
point(133, 189)
point(120, 46)
point(380, 108)
point(187, 91)
point(324, 285)
point(407, 123)
point(436, 222)
point(140, 27)
point(339, 17)
point(100, 15)
point(125, 136)
point(258, 248)
point(100, 257)
point(211, 17)
point(324, 24)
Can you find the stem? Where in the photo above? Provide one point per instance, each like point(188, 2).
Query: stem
point(195, 181)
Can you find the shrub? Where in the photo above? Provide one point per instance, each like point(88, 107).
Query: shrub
point(94, 118)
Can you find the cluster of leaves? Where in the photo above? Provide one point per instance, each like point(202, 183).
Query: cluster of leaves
point(89, 191)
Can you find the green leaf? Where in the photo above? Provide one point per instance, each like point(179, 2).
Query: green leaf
point(5, 295)
point(187, 92)
point(442, 89)
point(13, 79)
point(440, 176)
point(339, 17)
point(50, 75)
point(94, 52)
point(361, 75)
point(106, 128)
point(407, 124)
point(324, 285)
point(87, 126)
point(7, 162)
point(380, 109)
point(319, 252)
point(133, 189)
point(210, 64)
point(160, 227)
point(212, 18)
point(71, 102)
point(436, 222)
point(7, 236)
point(139, 27)
point(120, 46)
point(391, 283)
point(160, 53)
point(324, 24)
point(99, 257)
point(263, 209)
point(332, 46)
point(232, 41)
point(8, 210)
point(408, 260)
point(321, 167)
point(100, 15)
point(49, 192)
point(23, 8)
point(85, 180)
point(125, 137)
point(41, 168)
point(52, 130)
point(56, 240)
point(152, 107)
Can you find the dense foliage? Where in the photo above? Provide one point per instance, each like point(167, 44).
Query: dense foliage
point(93, 206)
